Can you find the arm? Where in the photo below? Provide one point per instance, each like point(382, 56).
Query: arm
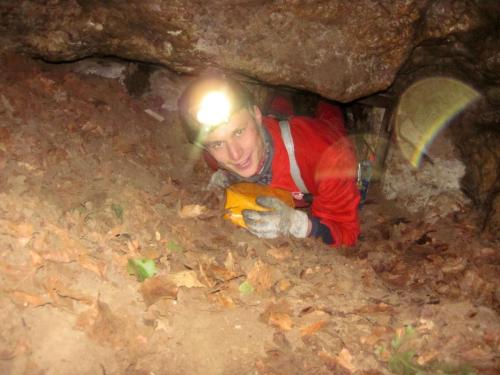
point(335, 206)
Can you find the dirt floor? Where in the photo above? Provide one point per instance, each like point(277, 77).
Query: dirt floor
point(89, 180)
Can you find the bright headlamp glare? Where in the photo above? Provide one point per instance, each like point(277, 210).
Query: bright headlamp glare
point(214, 109)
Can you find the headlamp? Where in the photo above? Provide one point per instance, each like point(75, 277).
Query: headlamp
point(214, 109)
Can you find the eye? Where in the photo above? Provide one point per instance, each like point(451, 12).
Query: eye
point(215, 145)
point(239, 132)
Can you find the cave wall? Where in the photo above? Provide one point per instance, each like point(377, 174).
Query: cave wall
point(478, 139)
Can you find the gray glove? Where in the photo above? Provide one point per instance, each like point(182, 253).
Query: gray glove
point(281, 220)
point(218, 180)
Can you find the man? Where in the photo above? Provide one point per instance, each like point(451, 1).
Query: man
point(220, 116)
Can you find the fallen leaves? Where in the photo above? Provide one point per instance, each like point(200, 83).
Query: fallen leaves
point(188, 279)
point(280, 320)
point(278, 315)
point(99, 267)
point(454, 266)
point(261, 276)
point(427, 357)
point(342, 360)
point(191, 211)
point(102, 325)
point(313, 328)
point(158, 287)
point(56, 288)
point(221, 273)
point(378, 333)
point(280, 253)
point(25, 299)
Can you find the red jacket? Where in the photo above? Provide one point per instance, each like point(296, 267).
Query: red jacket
point(327, 164)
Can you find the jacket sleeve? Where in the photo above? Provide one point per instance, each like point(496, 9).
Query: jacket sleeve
point(337, 198)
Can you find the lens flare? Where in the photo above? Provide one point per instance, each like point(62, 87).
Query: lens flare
point(214, 109)
point(425, 109)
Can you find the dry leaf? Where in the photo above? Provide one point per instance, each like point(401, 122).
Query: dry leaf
point(57, 288)
point(221, 273)
point(94, 265)
point(279, 253)
point(152, 253)
point(261, 276)
point(454, 266)
point(312, 328)
point(328, 359)
point(222, 300)
point(427, 357)
point(102, 325)
point(229, 262)
point(61, 256)
point(191, 211)
point(26, 299)
point(344, 359)
point(377, 333)
point(284, 285)
point(189, 279)
point(278, 315)
point(281, 320)
point(158, 287)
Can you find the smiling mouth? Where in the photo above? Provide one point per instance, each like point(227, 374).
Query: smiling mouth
point(243, 165)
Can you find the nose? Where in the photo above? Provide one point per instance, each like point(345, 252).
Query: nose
point(234, 151)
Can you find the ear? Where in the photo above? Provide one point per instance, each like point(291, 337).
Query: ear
point(257, 114)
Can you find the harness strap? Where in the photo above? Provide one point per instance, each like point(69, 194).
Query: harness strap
point(286, 134)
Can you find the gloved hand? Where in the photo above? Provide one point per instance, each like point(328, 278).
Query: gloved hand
point(281, 220)
point(218, 180)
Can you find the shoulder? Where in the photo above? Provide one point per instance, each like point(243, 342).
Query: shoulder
point(298, 124)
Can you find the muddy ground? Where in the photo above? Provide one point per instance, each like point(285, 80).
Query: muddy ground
point(89, 180)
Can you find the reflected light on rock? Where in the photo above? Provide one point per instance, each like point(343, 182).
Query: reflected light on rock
point(426, 108)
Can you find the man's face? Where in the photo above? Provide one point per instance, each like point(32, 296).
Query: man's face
point(238, 145)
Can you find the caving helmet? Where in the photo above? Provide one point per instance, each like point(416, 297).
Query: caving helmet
point(209, 102)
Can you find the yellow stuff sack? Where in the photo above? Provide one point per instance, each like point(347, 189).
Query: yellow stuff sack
point(241, 196)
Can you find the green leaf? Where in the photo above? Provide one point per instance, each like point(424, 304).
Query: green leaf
point(142, 268)
point(246, 288)
point(409, 331)
point(118, 210)
point(174, 247)
point(379, 350)
point(396, 342)
point(402, 364)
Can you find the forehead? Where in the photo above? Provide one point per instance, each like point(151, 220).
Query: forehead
point(237, 120)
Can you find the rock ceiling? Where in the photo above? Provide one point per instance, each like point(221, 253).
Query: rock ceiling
point(343, 50)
